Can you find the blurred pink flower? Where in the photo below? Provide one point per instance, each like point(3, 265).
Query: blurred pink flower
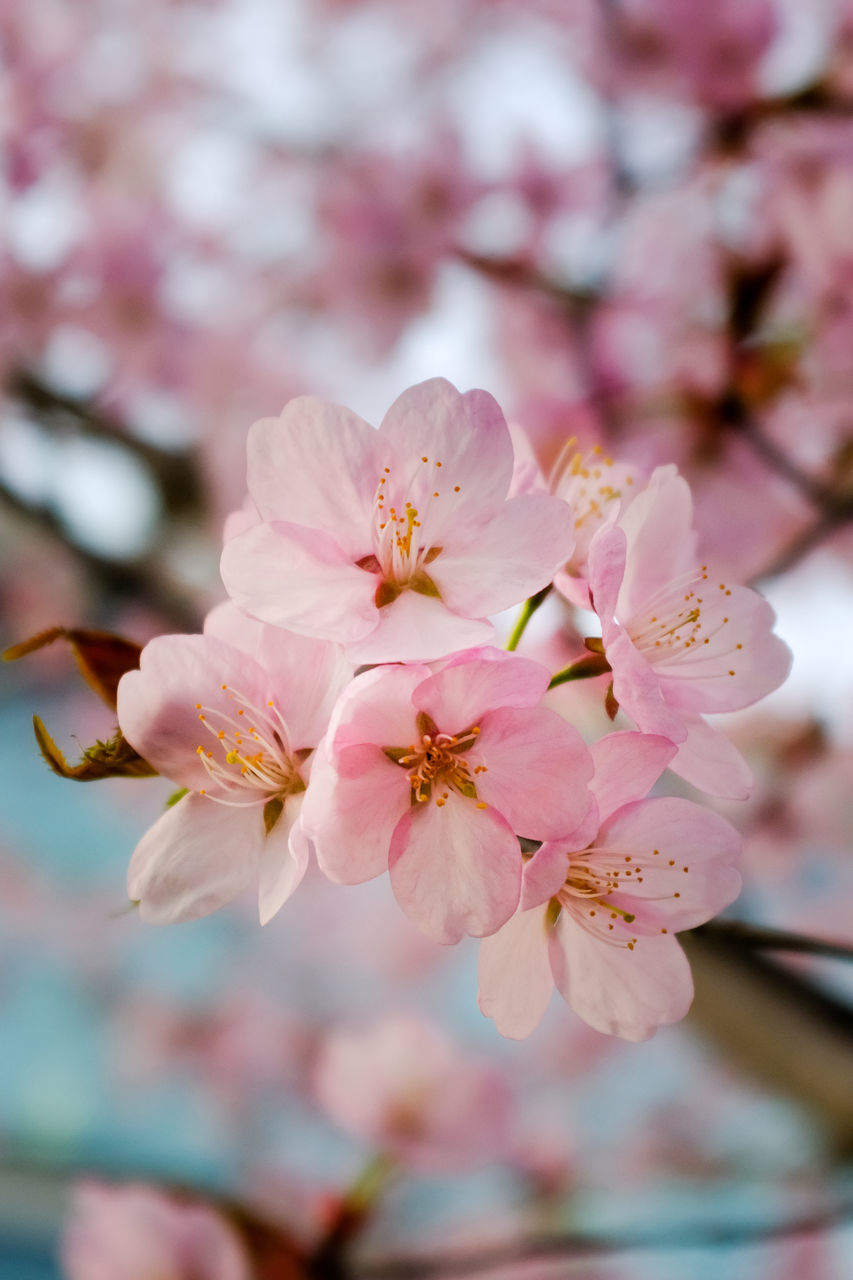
point(397, 542)
point(435, 776)
point(403, 1086)
point(232, 716)
point(596, 489)
point(681, 644)
point(136, 1232)
point(598, 914)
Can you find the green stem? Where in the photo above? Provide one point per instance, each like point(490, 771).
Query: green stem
point(584, 669)
point(350, 1216)
point(364, 1191)
point(527, 611)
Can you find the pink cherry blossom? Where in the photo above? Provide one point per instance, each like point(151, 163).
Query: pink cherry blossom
point(136, 1232)
point(596, 489)
point(232, 716)
point(680, 642)
point(434, 776)
point(403, 1086)
point(598, 914)
point(396, 542)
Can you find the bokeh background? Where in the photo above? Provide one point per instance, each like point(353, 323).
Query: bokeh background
point(632, 221)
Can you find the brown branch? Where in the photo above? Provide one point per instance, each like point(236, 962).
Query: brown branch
point(764, 938)
point(574, 1245)
point(177, 475)
point(141, 580)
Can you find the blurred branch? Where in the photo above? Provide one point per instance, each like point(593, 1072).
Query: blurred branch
point(730, 132)
point(519, 273)
point(573, 1245)
point(176, 473)
point(767, 939)
point(777, 1024)
point(138, 581)
point(806, 541)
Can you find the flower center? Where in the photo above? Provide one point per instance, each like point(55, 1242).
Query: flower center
point(435, 762)
point(250, 753)
point(596, 874)
point(686, 621)
point(405, 518)
point(589, 483)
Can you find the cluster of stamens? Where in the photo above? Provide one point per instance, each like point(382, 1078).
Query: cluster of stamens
point(437, 763)
point(585, 481)
point(400, 554)
point(670, 624)
point(597, 873)
point(253, 752)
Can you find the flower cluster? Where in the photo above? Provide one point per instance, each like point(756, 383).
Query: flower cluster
point(350, 702)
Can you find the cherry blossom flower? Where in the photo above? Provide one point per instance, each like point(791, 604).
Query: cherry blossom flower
point(404, 1087)
point(397, 542)
point(596, 489)
point(599, 913)
point(434, 776)
point(136, 1232)
point(232, 716)
point(680, 643)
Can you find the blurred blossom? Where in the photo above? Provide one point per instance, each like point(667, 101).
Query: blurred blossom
point(136, 1232)
point(402, 1086)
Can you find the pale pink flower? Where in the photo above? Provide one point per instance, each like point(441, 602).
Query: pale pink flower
point(596, 489)
point(401, 1085)
point(434, 776)
point(136, 1232)
point(599, 913)
point(681, 642)
point(397, 542)
point(232, 716)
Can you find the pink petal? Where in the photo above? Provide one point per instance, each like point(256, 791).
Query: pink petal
point(544, 874)
point(231, 625)
point(160, 705)
point(350, 816)
point(680, 863)
point(536, 771)
point(304, 674)
point(301, 580)
point(710, 761)
point(637, 688)
point(416, 628)
point(377, 707)
point(661, 541)
point(307, 676)
point(627, 765)
point(617, 991)
point(240, 520)
point(197, 856)
point(466, 433)
point(742, 662)
point(461, 693)
point(606, 568)
point(514, 974)
point(283, 860)
point(496, 563)
point(455, 870)
point(318, 465)
point(574, 588)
